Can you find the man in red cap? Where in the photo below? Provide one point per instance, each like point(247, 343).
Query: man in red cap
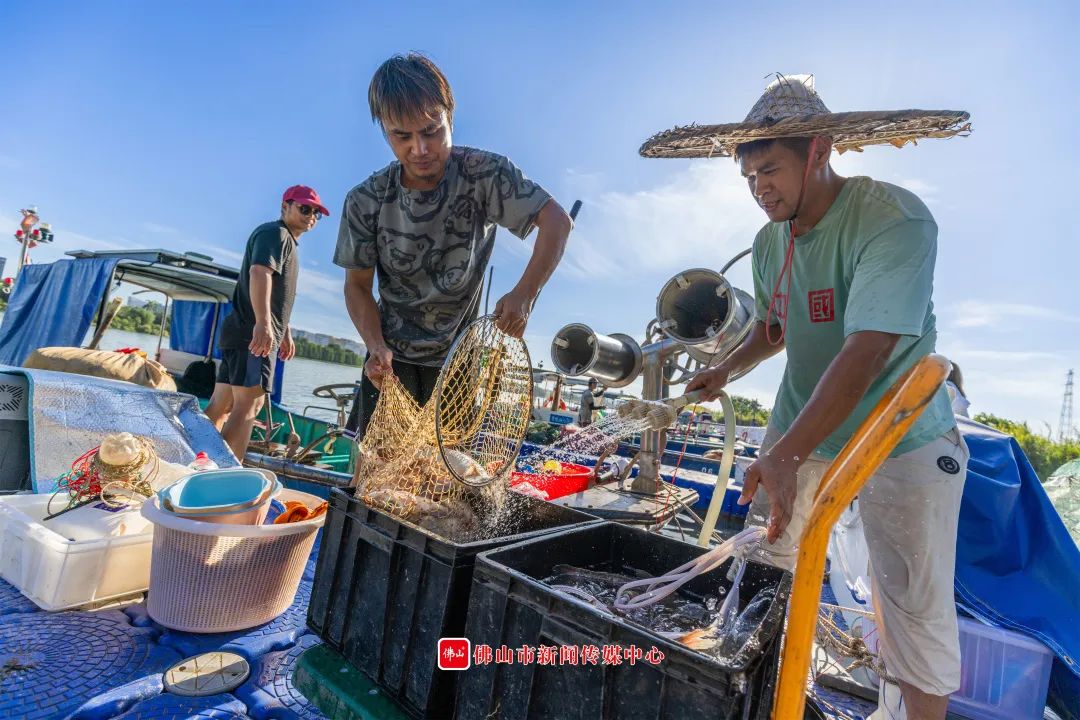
point(257, 329)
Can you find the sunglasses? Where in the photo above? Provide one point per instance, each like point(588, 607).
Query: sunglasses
point(306, 210)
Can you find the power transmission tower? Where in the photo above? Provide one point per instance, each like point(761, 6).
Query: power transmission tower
point(1065, 424)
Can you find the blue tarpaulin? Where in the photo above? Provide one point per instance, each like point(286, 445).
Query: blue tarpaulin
point(191, 329)
point(52, 306)
point(1016, 564)
point(191, 326)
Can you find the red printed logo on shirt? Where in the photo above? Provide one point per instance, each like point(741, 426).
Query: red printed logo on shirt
point(822, 306)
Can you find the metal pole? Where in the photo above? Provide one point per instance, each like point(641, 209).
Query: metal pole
point(213, 331)
point(652, 388)
point(487, 295)
point(161, 330)
point(23, 253)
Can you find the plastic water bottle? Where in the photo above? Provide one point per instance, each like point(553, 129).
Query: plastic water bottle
point(202, 462)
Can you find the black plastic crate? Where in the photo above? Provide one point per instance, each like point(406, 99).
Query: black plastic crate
point(386, 590)
point(510, 606)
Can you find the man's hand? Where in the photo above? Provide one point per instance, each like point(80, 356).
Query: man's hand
point(288, 347)
point(778, 475)
point(710, 381)
point(378, 365)
point(512, 312)
point(261, 340)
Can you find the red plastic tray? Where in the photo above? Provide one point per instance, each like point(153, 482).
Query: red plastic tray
point(573, 479)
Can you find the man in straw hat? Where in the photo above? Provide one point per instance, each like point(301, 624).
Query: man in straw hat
point(426, 225)
point(843, 275)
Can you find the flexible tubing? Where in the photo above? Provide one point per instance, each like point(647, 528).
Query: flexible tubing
point(658, 588)
point(728, 458)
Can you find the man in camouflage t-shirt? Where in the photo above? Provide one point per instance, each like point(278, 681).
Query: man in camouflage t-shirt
point(425, 226)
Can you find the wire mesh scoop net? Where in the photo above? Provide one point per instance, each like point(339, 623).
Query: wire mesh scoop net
point(483, 402)
point(423, 463)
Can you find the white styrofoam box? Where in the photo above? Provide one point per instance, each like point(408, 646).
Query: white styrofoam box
point(1004, 674)
point(58, 573)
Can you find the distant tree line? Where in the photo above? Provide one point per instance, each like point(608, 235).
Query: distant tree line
point(326, 353)
point(747, 411)
point(1044, 454)
point(145, 319)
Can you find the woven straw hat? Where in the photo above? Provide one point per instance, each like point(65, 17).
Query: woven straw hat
point(791, 107)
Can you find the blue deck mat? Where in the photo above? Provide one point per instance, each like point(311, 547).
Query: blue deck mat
point(176, 707)
point(277, 634)
point(12, 601)
point(67, 659)
point(269, 692)
point(838, 705)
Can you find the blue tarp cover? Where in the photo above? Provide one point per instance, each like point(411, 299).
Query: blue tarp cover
point(192, 325)
point(52, 306)
point(1016, 564)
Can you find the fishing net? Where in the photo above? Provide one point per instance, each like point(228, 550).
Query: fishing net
point(446, 463)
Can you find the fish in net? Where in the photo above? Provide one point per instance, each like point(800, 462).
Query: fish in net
point(445, 465)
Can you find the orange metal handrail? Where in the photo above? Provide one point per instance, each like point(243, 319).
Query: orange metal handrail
point(868, 448)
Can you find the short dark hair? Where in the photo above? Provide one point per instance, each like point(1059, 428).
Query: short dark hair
point(407, 86)
point(798, 145)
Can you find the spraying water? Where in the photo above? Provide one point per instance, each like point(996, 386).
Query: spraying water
point(587, 443)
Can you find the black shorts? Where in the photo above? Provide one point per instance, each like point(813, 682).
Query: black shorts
point(418, 380)
point(240, 368)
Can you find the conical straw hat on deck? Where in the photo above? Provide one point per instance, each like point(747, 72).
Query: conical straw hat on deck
point(791, 107)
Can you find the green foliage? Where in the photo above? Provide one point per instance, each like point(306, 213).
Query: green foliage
point(747, 411)
point(1044, 454)
point(327, 353)
point(145, 319)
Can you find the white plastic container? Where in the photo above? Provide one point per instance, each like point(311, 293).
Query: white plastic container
point(208, 577)
point(1004, 675)
point(58, 573)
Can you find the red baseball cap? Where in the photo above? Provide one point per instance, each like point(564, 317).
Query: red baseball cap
point(305, 196)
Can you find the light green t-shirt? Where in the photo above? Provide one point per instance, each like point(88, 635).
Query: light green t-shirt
point(868, 265)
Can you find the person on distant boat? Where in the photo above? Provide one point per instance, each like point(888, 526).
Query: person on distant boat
point(256, 333)
point(843, 276)
point(955, 386)
point(591, 401)
point(425, 226)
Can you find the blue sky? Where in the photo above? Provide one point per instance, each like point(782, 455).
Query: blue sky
point(178, 125)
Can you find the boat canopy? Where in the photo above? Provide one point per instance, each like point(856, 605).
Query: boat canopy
point(54, 304)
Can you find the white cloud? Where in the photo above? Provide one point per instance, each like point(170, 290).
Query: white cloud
point(702, 213)
point(158, 229)
point(227, 254)
point(1002, 316)
point(923, 189)
point(65, 240)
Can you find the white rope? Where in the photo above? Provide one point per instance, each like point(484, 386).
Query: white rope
point(658, 588)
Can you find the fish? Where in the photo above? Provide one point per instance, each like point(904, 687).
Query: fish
point(451, 517)
point(672, 617)
point(607, 578)
point(731, 638)
point(465, 467)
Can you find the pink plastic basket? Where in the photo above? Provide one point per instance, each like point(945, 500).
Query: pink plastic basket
point(207, 577)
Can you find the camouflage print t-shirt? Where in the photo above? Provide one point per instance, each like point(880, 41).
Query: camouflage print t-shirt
point(430, 248)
